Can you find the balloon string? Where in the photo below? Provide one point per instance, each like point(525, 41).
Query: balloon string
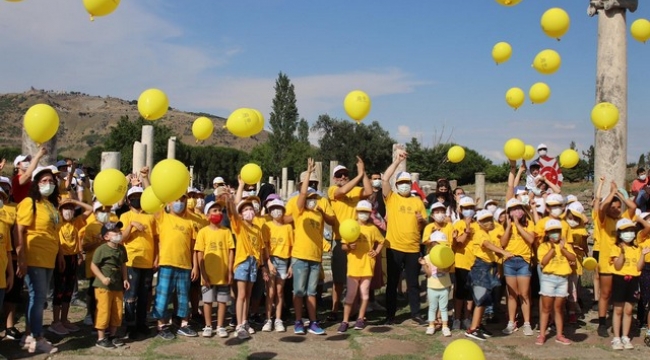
point(92, 18)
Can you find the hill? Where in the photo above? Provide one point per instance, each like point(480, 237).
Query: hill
point(85, 120)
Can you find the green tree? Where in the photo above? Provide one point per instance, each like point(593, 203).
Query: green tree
point(497, 173)
point(641, 163)
point(303, 131)
point(589, 155)
point(283, 122)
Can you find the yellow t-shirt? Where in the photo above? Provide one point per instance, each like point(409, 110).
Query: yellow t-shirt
point(517, 246)
point(540, 231)
point(7, 220)
point(308, 237)
point(578, 237)
point(91, 235)
point(175, 238)
point(344, 206)
point(278, 238)
point(201, 221)
point(291, 207)
point(6, 213)
point(140, 244)
point(446, 229)
point(559, 264)
point(463, 255)
point(439, 280)
point(481, 252)
point(69, 235)
point(632, 255)
point(249, 240)
point(216, 245)
point(644, 243)
point(360, 264)
point(403, 231)
point(596, 232)
point(607, 239)
point(42, 243)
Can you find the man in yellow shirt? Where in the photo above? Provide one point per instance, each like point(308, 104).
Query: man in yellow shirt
point(405, 218)
point(344, 196)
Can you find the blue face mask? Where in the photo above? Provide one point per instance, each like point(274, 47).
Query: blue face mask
point(178, 207)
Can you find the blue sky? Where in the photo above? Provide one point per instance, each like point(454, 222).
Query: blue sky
point(426, 67)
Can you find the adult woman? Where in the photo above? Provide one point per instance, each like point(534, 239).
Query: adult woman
point(37, 250)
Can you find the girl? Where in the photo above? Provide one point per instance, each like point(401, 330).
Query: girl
point(578, 235)
point(555, 258)
point(643, 240)
point(361, 265)
point(464, 231)
point(438, 286)
point(627, 262)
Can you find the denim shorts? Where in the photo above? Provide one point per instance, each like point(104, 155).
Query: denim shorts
point(281, 266)
point(553, 285)
point(305, 277)
point(247, 271)
point(516, 267)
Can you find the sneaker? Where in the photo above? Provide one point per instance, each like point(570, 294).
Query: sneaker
point(342, 328)
point(268, 325)
point(573, 318)
point(116, 341)
point(627, 344)
point(541, 339)
point(232, 324)
point(58, 328)
point(467, 323)
point(602, 331)
point(510, 328)
point(13, 333)
point(475, 334)
point(222, 332)
point(165, 334)
point(249, 328)
point(455, 325)
point(78, 303)
point(299, 328)
point(207, 331)
point(25, 341)
point(279, 326)
point(186, 331)
point(305, 322)
point(430, 330)
point(315, 329)
point(561, 339)
point(359, 324)
point(105, 343)
point(43, 346)
point(70, 327)
point(88, 320)
point(419, 321)
point(528, 330)
point(242, 333)
point(487, 333)
point(617, 344)
point(446, 332)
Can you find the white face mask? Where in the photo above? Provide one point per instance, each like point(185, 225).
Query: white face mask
point(363, 216)
point(628, 236)
point(555, 237)
point(439, 217)
point(116, 239)
point(536, 191)
point(542, 153)
point(404, 189)
point(46, 189)
point(468, 213)
point(102, 217)
point(276, 213)
point(491, 208)
point(63, 174)
point(256, 207)
point(248, 215)
point(642, 177)
point(524, 199)
point(68, 214)
point(376, 183)
point(572, 223)
point(556, 212)
point(24, 165)
point(200, 203)
point(311, 204)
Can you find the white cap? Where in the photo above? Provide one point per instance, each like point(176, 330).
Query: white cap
point(192, 190)
point(207, 207)
point(520, 190)
point(403, 176)
point(438, 205)
point(571, 198)
point(364, 205)
point(498, 213)
point(513, 203)
point(490, 201)
point(339, 168)
point(134, 190)
point(541, 146)
point(553, 224)
point(40, 169)
point(554, 199)
point(312, 176)
point(97, 205)
point(5, 180)
point(20, 158)
point(483, 214)
point(466, 201)
point(275, 203)
point(624, 224)
point(438, 236)
point(218, 180)
point(576, 208)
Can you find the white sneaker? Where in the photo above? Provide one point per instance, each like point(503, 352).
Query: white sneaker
point(446, 332)
point(510, 328)
point(248, 328)
point(207, 331)
point(222, 332)
point(43, 346)
point(88, 320)
point(617, 344)
point(268, 326)
point(242, 333)
point(25, 341)
point(430, 330)
point(528, 330)
point(627, 344)
point(279, 326)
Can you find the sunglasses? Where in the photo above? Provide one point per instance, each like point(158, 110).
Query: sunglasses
point(340, 175)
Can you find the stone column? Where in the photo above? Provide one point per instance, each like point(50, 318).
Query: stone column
point(400, 167)
point(319, 174)
point(333, 164)
point(139, 157)
point(111, 160)
point(31, 148)
point(272, 181)
point(479, 192)
point(291, 186)
point(452, 185)
point(171, 148)
point(415, 177)
point(283, 191)
point(147, 141)
point(191, 175)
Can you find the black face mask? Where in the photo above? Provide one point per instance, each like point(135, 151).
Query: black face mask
point(135, 203)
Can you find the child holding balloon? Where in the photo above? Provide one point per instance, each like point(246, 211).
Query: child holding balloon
point(643, 240)
point(438, 284)
point(361, 263)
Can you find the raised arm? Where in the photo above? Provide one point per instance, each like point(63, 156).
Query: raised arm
point(341, 191)
point(32, 166)
point(240, 189)
point(385, 184)
point(512, 180)
point(144, 176)
point(304, 186)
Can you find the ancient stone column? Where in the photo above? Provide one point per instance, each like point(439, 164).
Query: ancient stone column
point(139, 156)
point(171, 148)
point(31, 148)
point(191, 175)
point(333, 164)
point(111, 160)
point(479, 192)
point(147, 141)
point(285, 175)
point(291, 186)
point(319, 174)
point(415, 177)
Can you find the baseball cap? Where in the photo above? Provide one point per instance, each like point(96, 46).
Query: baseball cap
point(534, 163)
point(576, 209)
point(61, 163)
point(272, 197)
point(466, 201)
point(97, 205)
point(554, 199)
point(553, 225)
point(643, 215)
point(191, 190)
point(438, 236)
point(364, 205)
point(513, 203)
point(134, 190)
point(111, 226)
point(21, 158)
point(40, 169)
point(520, 190)
point(339, 168)
point(541, 146)
point(498, 212)
point(438, 205)
point(275, 203)
point(403, 176)
point(483, 214)
point(571, 198)
point(218, 180)
point(312, 176)
point(624, 224)
point(490, 201)
point(209, 205)
point(5, 180)
point(243, 203)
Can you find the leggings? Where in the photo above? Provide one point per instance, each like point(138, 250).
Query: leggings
point(64, 281)
point(438, 298)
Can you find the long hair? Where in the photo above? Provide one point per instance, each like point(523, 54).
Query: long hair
point(35, 194)
point(524, 219)
point(264, 192)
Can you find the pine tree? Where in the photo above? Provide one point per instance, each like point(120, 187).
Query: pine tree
point(283, 122)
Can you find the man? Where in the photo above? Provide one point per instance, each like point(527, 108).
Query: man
point(217, 183)
point(344, 196)
point(405, 220)
point(549, 166)
point(67, 183)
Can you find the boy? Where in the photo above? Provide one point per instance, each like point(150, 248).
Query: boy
point(109, 268)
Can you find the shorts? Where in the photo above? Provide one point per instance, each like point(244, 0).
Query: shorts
point(625, 291)
point(258, 288)
point(215, 293)
point(553, 285)
point(516, 267)
point(109, 308)
point(281, 267)
point(595, 255)
point(461, 286)
point(339, 263)
point(305, 277)
point(247, 270)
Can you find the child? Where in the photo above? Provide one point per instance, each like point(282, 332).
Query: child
point(578, 235)
point(554, 259)
point(109, 268)
point(7, 220)
point(280, 241)
point(215, 251)
point(627, 262)
point(643, 240)
point(438, 286)
point(360, 265)
point(464, 230)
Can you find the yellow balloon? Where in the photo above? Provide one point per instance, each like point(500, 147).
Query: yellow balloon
point(555, 22)
point(357, 104)
point(169, 180)
point(242, 122)
point(515, 97)
point(100, 7)
point(463, 349)
point(41, 123)
point(501, 52)
point(441, 256)
point(514, 149)
point(202, 128)
point(456, 154)
point(547, 62)
point(590, 263)
point(13, 0)
point(604, 116)
point(539, 93)
point(110, 186)
point(350, 230)
point(251, 173)
point(149, 202)
point(529, 152)
point(153, 104)
point(260, 122)
point(640, 30)
point(508, 2)
point(569, 158)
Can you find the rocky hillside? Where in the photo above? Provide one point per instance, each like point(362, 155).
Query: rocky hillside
point(86, 120)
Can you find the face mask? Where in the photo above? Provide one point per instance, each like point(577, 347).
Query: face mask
point(191, 204)
point(256, 207)
point(491, 208)
point(642, 177)
point(439, 218)
point(46, 189)
point(404, 189)
point(628, 236)
point(68, 214)
point(542, 153)
point(524, 199)
point(116, 239)
point(555, 237)
point(556, 212)
point(24, 165)
point(63, 174)
point(102, 217)
point(537, 191)
point(468, 213)
point(249, 193)
point(248, 215)
point(216, 218)
point(135, 203)
point(376, 183)
point(178, 207)
point(363, 216)
point(311, 204)
point(200, 203)
point(276, 213)
point(572, 223)
point(517, 214)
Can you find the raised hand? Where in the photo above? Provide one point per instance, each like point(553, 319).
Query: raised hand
point(361, 167)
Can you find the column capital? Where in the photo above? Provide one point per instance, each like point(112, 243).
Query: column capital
point(595, 5)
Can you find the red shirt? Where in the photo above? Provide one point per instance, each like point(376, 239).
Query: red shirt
point(637, 185)
point(19, 192)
